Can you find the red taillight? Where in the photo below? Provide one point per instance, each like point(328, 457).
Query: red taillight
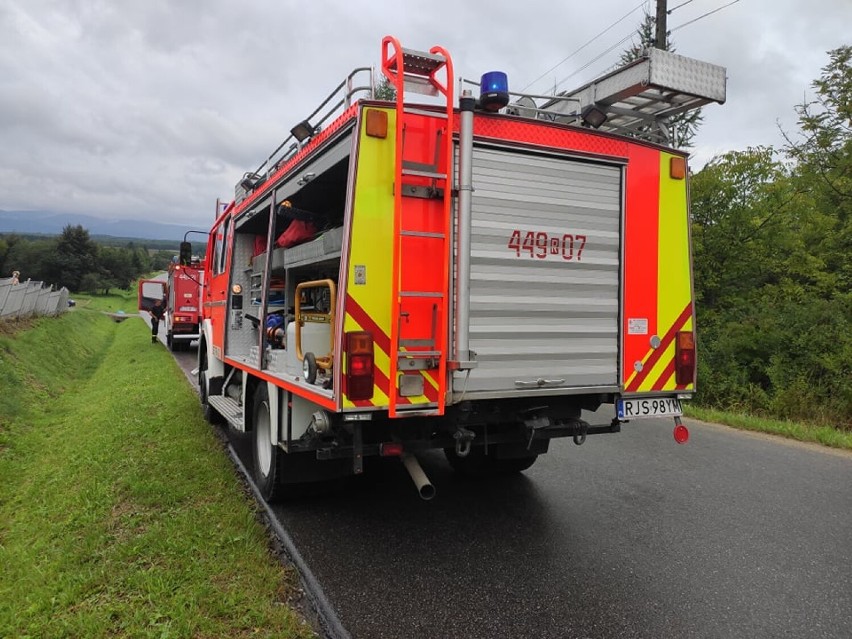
point(685, 358)
point(681, 434)
point(390, 449)
point(359, 365)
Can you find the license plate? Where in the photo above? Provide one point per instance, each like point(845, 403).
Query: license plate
point(648, 407)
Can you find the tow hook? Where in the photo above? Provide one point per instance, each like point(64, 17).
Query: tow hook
point(464, 438)
point(581, 429)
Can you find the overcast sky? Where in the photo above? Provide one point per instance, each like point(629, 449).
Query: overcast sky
point(151, 109)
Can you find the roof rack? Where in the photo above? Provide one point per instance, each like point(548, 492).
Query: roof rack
point(650, 90)
point(636, 99)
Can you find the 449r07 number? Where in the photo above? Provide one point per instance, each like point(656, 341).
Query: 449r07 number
point(568, 246)
point(648, 407)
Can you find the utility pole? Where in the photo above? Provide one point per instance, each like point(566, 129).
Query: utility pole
point(662, 13)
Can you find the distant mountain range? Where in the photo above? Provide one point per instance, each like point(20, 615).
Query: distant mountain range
point(51, 223)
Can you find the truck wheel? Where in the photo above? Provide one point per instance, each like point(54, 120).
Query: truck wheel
point(478, 464)
point(169, 342)
point(512, 466)
point(211, 415)
point(267, 458)
point(475, 464)
point(309, 368)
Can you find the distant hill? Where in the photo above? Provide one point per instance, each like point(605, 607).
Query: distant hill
point(51, 223)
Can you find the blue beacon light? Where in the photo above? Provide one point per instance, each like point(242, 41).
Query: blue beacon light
point(493, 91)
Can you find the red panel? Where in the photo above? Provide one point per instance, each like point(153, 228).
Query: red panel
point(641, 245)
point(550, 136)
point(422, 264)
point(420, 214)
point(420, 319)
point(299, 389)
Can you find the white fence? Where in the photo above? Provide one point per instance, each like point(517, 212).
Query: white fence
point(28, 299)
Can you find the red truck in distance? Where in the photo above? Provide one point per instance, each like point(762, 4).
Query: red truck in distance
point(181, 292)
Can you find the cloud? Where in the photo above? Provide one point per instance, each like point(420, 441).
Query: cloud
point(154, 109)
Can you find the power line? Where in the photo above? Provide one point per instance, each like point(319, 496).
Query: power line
point(709, 13)
point(595, 59)
point(682, 4)
point(561, 62)
point(623, 40)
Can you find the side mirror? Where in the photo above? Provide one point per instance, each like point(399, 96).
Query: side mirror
point(185, 253)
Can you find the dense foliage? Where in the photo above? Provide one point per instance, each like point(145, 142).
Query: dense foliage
point(74, 260)
point(772, 241)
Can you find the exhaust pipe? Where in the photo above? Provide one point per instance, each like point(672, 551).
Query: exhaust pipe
point(424, 486)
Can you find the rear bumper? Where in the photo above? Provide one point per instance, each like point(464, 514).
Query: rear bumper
point(189, 333)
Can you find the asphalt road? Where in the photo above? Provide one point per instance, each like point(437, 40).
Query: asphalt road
point(630, 535)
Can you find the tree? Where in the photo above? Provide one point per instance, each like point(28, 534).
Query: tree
point(75, 261)
point(774, 326)
point(91, 283)
point(117, 266)
point(682, 127)
point(743, 224)
point(161, 259)
point(76, 255)
point(29, 257)
point(772, 270)
point(385, 90)
point(822, 153)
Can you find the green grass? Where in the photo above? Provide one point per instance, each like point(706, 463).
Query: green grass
point(120, 514)
point(117, 300)
point(826, 435)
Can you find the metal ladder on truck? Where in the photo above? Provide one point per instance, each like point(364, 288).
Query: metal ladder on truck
point(422, 217)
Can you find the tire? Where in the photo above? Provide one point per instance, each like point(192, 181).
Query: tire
point(513, 466)
point(267, 458)
point(474, 465)
point(309, 368)
point(478, 465)
point(281, 476)
point(170, 342)
point(211, 415)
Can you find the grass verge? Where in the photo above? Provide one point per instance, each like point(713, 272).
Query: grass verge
point(825, 435)
point(117, 300)
point(119, 513)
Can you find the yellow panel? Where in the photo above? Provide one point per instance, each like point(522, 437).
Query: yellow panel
point(674, 290)
point(371, 248)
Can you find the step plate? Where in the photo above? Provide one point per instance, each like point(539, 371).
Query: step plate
point(228, 408)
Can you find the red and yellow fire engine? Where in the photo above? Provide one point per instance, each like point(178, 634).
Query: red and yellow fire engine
point(406, 275)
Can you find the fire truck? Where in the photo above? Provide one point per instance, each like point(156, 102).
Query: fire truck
point(183, 306)
point(417, 273)
point(181, 292)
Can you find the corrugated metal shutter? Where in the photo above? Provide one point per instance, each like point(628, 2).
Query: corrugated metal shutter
point(544, 274)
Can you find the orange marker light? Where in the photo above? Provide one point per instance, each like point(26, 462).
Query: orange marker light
point(377, 123)
point(677, 168)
